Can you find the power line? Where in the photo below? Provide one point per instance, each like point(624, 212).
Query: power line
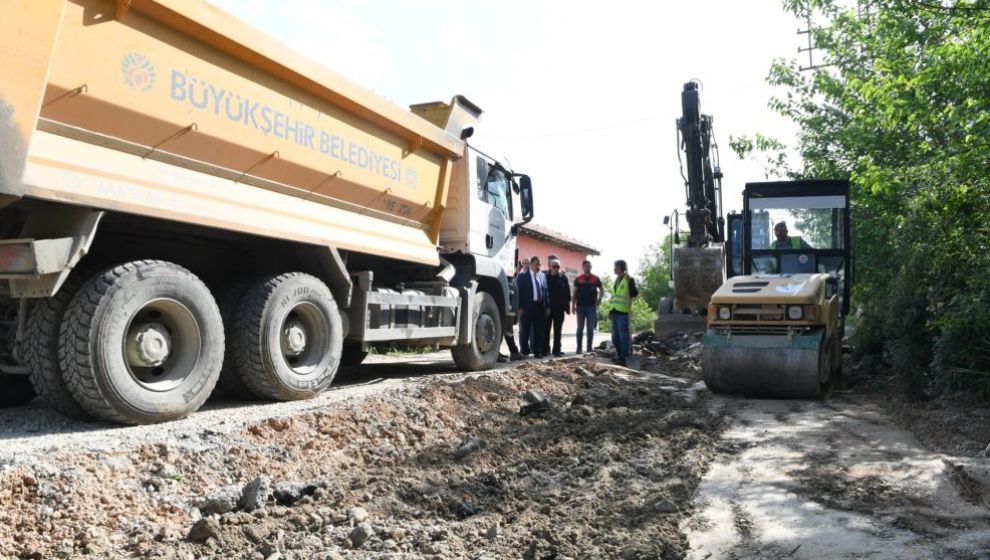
point(578, 132)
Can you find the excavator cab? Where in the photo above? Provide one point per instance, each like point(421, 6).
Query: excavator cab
point(775, 326)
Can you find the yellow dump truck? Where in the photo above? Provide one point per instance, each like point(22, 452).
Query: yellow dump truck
point(187, 204)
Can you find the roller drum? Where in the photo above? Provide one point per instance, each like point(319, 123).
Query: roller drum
point(771, 366)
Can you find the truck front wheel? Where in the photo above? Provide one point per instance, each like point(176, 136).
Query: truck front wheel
point(142, 343)
point(287, 337)
point(482, 352)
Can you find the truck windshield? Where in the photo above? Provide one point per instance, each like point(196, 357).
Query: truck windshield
point(497, 191)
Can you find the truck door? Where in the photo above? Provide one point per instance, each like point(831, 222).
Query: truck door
point(491, 213)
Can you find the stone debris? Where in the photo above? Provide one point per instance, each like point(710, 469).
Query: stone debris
point(255, 494)
point(469, 446)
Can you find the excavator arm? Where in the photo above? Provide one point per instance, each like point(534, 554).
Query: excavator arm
point(703, 177)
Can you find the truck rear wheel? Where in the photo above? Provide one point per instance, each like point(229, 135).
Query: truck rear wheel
point(41, 348)
point(142, 343)
point(15, 390)
point(287, 337)
point(482, 352)
point(230, 385)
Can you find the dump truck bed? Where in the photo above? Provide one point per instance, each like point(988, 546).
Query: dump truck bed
point(174, 109)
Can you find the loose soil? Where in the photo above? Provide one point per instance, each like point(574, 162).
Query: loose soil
point(606, 471)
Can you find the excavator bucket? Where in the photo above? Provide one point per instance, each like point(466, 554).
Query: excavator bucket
point(773, 366)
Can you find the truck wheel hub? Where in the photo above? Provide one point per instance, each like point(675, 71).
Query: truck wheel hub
point(484, 333)
point(294, 338)
point(150, 345)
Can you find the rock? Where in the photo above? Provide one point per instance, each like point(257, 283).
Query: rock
point(534, 408)
point(534, 396)
point(492, 533)
point(584, 372)
point(255, 494)
point(469, 446)
point(465, 509)
point(592, 395)
point(204, 529)
point(274, 556)
point(357, 515)
point(288, 493)
point(256, 533)
point(221, 500)
point(360, 534)
point(536, 402)
point(582, 410)
point(665, 506)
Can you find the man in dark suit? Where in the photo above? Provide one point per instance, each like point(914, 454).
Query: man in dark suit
point(559, 296)
point(531, 294)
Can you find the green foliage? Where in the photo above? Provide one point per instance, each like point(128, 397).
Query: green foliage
point(900, 107)
point(655, 274)
point(642, 315)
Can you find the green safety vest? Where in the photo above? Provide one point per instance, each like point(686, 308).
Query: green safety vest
point(620, 297)
point(795, 242)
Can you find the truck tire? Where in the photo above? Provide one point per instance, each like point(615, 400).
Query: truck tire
point(142, 343)
point(352, 354)
point(15, 390)
point(40, 347)
point(482, 352)
point(230, 385)
point(287, 337)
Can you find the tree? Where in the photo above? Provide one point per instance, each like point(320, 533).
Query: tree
point(655, 272)
point(899, 106)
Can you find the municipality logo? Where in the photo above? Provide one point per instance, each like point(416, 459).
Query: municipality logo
point(138, 71)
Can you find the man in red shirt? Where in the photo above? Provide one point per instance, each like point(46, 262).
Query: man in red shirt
point(588, 292)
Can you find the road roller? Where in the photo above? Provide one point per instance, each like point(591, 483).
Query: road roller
point(775, 326)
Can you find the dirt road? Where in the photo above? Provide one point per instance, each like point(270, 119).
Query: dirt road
point(409, 459)
point(813, 480)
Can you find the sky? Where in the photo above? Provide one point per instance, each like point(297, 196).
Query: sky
point(582, 96)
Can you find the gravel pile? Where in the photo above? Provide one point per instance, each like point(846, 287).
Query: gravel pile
point(569, 459)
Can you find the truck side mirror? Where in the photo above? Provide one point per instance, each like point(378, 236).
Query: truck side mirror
point(526, 197)
point(666, 220)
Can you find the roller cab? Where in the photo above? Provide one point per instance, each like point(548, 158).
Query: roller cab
point(776, 329)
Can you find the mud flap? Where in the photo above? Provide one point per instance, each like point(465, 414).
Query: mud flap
point(775, 366)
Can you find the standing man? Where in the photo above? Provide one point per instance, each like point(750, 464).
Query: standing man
point(620, 306)
point(559, 292)
point(531, 308)
point(588, 292)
